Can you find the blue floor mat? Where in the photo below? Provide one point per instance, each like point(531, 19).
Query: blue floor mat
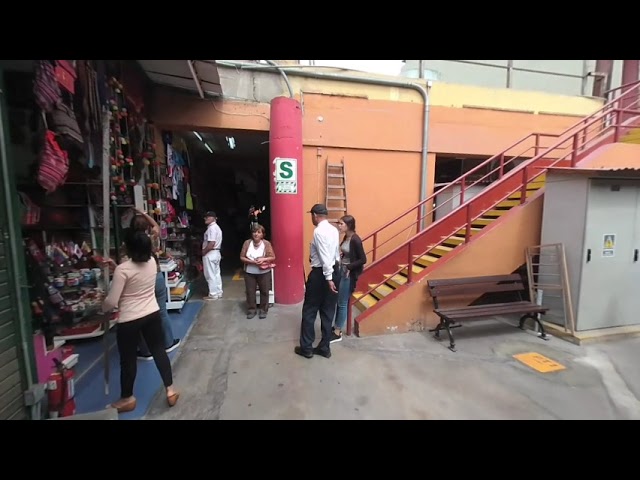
point(89, 371)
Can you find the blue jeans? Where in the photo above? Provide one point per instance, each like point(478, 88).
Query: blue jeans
point(167, 331)
point(344, 292)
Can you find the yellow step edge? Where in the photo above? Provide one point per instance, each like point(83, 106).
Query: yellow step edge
point(364, 302)
point(382, 291)
point(510, 203)
point(454, 240)
point(440, 250)
point(415, 268)
point(396, 281)
point(494, 213)
point(463, 231)
point(483, 221)
point(425, 260)
point(518, 195)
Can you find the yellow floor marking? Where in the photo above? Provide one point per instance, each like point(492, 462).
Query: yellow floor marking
point(539, 362)
point(238, 275)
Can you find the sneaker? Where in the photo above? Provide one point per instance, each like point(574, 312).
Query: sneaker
point(144, 357)
point(335, 337)
point(262, 314)
point(174, 345)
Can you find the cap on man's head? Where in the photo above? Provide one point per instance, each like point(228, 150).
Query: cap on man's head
point(210, 213)
point(319, 209)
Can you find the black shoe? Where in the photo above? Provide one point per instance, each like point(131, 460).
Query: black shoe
point(335, 337)
point(144, 357)
point(303, 353)
point(262, 314)
point(174, 345)
point(323, 353)
point(251, 314)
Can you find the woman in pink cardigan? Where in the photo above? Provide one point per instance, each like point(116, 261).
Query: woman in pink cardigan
point(133, 293)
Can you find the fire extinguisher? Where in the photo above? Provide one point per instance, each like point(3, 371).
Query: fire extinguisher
point(61, 392)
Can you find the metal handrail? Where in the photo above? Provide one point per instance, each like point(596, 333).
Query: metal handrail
point(579, 140)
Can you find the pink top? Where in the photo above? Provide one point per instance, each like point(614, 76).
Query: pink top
point(133, 290)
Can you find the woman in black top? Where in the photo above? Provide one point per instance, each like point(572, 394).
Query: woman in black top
point(352, 260)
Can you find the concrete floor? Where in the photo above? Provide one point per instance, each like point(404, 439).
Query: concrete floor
point(234, 368)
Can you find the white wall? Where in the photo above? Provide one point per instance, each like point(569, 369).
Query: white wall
point(454, 72)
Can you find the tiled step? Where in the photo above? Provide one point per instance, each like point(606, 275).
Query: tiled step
point(454, 240)
point(495, 213)
point(440, 251)
point(382, 291)
point(463, 231)
point(415, 268)
point(482, 221)
point(364, 302)
point(396, 281)
point(424, 260)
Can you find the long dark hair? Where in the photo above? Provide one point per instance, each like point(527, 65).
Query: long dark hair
point(138, 246)
point(139, 224)
point(350, 222)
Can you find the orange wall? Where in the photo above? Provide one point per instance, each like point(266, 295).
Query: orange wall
point(470, 131)
point(380, 141)
point(368, 181)
point(501, 250)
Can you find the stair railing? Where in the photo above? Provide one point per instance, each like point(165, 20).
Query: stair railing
point(456, 192)
point(607, 124)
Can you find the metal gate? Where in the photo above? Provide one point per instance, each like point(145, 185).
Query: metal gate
point(14, 372)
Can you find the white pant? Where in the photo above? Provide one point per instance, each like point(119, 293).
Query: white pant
point(211, 266)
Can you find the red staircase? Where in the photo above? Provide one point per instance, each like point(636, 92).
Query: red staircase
point(511, 177)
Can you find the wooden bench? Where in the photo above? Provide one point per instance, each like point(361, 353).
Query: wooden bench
point(450, 317)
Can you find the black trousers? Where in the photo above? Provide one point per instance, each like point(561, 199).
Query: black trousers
point(127, 337)
point(318, 298)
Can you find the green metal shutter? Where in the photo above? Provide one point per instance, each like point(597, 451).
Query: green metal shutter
point(11, 382)
point(13, 376)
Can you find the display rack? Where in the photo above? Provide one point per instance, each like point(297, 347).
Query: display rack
point(174, 301)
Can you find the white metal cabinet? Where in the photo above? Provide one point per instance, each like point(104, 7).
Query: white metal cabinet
point(598, 221)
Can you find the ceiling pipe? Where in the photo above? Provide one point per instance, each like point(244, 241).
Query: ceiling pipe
point(284, 75)
point(424, 92)
point(194, 74)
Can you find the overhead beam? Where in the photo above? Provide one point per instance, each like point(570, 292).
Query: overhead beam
point(194, 74)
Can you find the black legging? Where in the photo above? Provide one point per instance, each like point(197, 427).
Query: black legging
point(128, 335)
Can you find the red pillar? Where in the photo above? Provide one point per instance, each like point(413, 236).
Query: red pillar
point(287, 209)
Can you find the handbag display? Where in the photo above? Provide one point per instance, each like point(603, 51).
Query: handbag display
point(54, 164)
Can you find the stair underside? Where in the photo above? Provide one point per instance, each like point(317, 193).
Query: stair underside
point(421, 262)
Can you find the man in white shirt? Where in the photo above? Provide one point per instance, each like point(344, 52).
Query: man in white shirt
point(211, 256)
point(321, 294)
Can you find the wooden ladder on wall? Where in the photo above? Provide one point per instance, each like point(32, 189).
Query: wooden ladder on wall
point(336, 198)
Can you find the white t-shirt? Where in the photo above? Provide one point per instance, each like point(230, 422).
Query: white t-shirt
point(254, 253)
point(213, 233)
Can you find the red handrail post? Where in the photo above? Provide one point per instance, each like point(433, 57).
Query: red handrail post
point(574, 153)
point(523, 190)
point(616, 128)
point(537, 145)
point(375, 245)
point(410, 263)
point(419, 217)
point(463, 185)
point(501, 166)
point(467, 232)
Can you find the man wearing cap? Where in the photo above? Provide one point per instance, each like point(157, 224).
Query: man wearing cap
point(322, 284)
point(211, 256)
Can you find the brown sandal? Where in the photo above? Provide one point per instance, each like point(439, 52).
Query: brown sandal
point(125, 407)
point(173, 399)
